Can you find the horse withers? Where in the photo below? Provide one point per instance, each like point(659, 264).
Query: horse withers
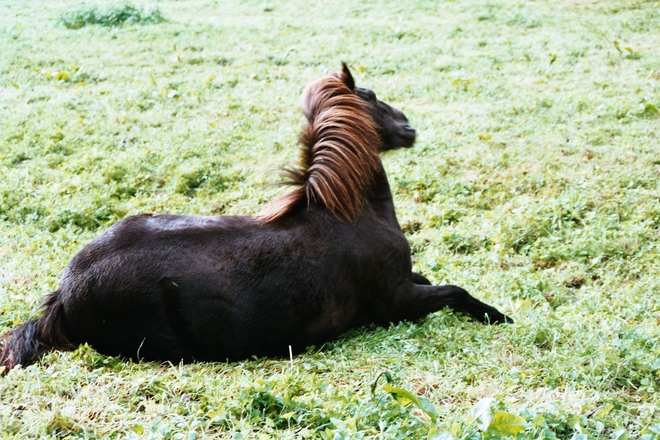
point(326, 257)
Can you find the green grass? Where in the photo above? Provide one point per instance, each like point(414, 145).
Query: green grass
point(113, 16)
point(534, 185)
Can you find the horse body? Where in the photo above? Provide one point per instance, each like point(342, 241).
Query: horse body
point(325, 258)
point(217, 288)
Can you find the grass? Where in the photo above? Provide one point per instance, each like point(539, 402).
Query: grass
point(112, 16)
point(534, 184)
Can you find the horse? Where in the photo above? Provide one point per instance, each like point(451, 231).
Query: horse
point(324, 258)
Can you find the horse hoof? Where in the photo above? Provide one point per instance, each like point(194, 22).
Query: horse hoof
point(498, 318)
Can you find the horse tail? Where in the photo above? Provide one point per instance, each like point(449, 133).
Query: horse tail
point(26, 343)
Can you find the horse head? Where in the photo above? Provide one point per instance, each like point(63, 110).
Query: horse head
point(347, 128)
point(392, 123)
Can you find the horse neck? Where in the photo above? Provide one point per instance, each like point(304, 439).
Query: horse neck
point(380, 195)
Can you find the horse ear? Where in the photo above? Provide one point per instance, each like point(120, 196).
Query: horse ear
point(346, 77)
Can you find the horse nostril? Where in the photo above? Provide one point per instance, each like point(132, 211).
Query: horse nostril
point(408, 128)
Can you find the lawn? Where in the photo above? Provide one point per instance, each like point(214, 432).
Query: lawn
point(533, 184)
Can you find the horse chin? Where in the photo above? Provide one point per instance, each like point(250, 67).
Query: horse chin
point(403, 136)
point(396, 145)
point(407, 145)
point(407, 139)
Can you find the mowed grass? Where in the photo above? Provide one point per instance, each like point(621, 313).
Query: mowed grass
point(533, 184)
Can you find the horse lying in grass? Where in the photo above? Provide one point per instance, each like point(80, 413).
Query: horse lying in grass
point(324, 258)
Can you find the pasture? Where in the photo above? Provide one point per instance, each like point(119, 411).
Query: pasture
point(533, 184)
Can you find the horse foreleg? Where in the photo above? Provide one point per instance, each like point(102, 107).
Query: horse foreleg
point(420, 279)
point(424, 299)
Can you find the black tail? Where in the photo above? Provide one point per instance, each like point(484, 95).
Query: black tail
point(27, 342)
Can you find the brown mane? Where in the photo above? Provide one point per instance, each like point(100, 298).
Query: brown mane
point(339, 152)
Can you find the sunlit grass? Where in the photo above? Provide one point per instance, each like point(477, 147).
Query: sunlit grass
point(534, 185)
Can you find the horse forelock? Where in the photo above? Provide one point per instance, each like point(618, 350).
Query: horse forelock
point(339, 153)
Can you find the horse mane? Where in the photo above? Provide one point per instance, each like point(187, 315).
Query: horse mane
point(339, 152)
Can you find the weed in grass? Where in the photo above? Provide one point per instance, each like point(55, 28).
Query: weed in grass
point(111, 16)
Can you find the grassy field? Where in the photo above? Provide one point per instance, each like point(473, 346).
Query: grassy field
point(533, 184)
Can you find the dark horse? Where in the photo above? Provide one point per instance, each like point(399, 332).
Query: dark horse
point(324, 258)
